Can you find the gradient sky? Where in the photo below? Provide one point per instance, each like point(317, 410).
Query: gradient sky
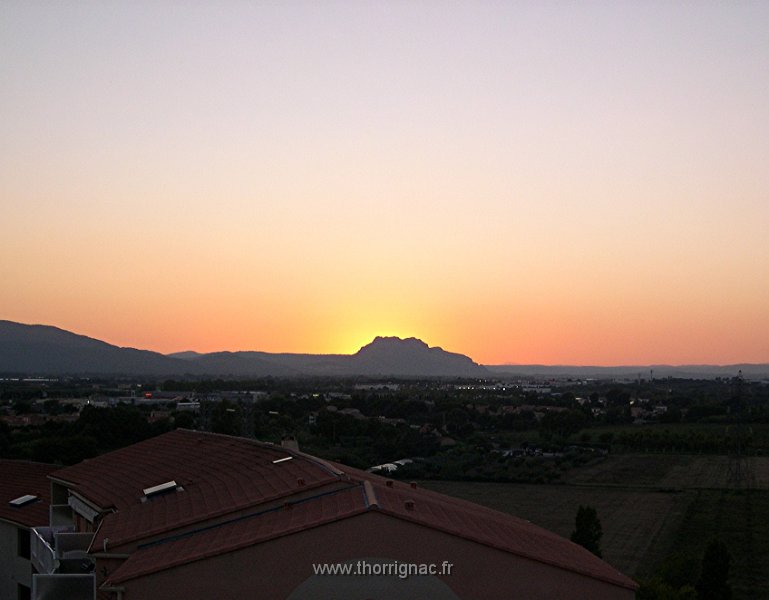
point(523, 182)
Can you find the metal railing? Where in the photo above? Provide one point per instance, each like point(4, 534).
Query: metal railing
point(41, 552)
point(52, 547)
point(71, 550)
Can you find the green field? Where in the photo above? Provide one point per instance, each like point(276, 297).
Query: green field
point(658, 511)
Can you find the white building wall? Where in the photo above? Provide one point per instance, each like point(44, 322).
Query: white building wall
point(14, 569)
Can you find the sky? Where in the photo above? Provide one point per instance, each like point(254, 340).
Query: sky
point(523, 182)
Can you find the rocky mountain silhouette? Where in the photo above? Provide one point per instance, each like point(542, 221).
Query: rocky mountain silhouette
point(46, 350)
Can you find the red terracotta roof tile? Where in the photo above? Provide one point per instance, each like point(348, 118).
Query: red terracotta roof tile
point(219, 474)
point(20, 478)
point(500, 530)
point(492, 528)
point(371, 492)
point(242, 532)
point(222, 475)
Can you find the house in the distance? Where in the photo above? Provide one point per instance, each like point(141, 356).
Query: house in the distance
point(199, 515)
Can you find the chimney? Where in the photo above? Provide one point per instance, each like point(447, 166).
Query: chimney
point(289, 442)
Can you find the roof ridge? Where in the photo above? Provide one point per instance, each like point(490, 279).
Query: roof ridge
point(328, 466)
point(289, 503)
point(619, 578)
point(381, 481)
point(191, 521)
point(29, 462)
point(117, 577)
point(370, 494)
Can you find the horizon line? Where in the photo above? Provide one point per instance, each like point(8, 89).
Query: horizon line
point(645, 366)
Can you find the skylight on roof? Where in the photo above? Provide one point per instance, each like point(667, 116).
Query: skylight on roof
point(159, 489)
point(22, 500)
point(280, 460)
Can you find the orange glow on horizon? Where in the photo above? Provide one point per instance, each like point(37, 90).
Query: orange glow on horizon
point(540, 342)
point(495, 182)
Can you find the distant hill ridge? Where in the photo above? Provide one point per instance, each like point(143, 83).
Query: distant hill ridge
point(47, 350)
point(748, 370)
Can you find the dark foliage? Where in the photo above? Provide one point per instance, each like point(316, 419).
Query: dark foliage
point(714, 580)
point(588, 530)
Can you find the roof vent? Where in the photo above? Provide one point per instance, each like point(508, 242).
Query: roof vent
point(413, 485)
point(280, 460)
point(163, 488)
point(23, 500)
point(409, 504)
point(300, 481)
point(389, 483)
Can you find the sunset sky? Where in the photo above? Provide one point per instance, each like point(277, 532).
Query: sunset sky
point(522, 182)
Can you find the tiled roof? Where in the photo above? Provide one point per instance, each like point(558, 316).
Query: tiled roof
point(492, 528)
point(219, 475)
point(243, 532)
point(20, 478)
point(369, 492)
point(222, 476)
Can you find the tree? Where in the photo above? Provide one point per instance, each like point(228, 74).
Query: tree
point(714, 581)
point(658, 589)
point(562, 424)
point(588, 530)
point(114, 427)
point(66, 450)
point(184, 420)
point(226, 418)
point(5, 438)
point(22, 407)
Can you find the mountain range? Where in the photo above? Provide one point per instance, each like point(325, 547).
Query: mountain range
point(748, 370)
point(45, 350)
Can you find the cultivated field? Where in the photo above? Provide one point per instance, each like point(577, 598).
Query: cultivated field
point(672, 471)
point(657, 511)
point(741, 520)
point(634, 521)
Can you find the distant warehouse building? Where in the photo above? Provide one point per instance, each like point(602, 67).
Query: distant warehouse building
point(198, 515)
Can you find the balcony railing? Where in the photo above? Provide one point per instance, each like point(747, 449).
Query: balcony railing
point(60, 550)
point(72, 552)
point(42, 554)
